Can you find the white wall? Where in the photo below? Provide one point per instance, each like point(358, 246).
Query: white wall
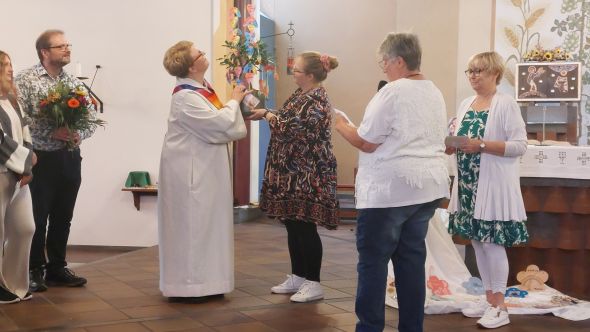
point(352, 31)
point(128, 39)
point(475, 34)
point(349, 30)
point(436, 24)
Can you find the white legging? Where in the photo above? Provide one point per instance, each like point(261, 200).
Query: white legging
point(492, 263)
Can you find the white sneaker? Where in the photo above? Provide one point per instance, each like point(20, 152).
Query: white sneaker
point(309, 291)
point(289, 286)
point(493, 318)
point(477, 310)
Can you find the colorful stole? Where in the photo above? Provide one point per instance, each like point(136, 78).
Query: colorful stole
point(209, 95)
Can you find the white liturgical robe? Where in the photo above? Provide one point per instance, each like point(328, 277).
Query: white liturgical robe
point(195, 215)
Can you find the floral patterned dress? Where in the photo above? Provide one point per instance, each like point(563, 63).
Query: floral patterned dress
point(300, 172)
point(462, 222)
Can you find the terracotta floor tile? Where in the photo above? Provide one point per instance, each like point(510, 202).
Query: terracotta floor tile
point(252, 282)
point(283, 312)
point(136, 301)
point(222, 318)
point(351, 328)
point(152, 311)
point(276, 298)
point(246, 302)
point(125, 327)
point(246, 327)
point(299, 323)
point(84, 306)
point(324, 329)
point(347, 305)
point(241, 293)
point(7, 324)
point(256, 290)
point(122, 295)
point(342, 319)
point(319, 308)
point(330, 293)
point(172, 324)
point(100, 316)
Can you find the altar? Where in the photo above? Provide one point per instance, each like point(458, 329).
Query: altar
point(555, 184)
point(542, 161)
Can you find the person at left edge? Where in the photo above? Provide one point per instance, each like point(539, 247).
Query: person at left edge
point(57, 179)
point(16, 215)
point(195, 216)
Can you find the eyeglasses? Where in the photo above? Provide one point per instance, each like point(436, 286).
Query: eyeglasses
point(475, 72)
point(61, 47)
point(198, 56)
point(383, 62)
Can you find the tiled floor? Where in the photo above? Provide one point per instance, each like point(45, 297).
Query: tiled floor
point(122, 295)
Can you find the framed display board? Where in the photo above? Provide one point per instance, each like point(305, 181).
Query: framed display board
point(548, 81)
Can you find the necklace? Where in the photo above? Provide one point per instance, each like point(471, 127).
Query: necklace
point(415, 74)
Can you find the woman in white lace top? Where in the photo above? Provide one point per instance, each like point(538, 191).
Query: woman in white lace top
point(401, 178)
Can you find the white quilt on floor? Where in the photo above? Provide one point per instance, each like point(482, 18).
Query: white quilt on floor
point(446, 273)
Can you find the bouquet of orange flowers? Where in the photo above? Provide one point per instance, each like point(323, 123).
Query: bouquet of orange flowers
point(64, 106)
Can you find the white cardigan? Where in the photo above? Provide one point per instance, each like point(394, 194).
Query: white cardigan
point(498, 190)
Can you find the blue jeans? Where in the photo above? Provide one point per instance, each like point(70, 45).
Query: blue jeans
point(398, 234)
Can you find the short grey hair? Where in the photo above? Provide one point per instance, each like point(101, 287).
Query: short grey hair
point(405, 45)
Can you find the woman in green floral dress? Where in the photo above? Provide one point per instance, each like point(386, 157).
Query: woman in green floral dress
point(486, 204)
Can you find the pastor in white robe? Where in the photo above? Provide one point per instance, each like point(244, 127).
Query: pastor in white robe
point(195, 214)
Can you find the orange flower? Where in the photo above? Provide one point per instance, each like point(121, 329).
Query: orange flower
point(73, 103)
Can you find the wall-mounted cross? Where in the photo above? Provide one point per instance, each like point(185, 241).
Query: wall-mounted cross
point(540, 157)
point(584, 158)
point(562, 156)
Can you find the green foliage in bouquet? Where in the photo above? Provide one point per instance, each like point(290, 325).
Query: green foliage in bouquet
point(64, 106)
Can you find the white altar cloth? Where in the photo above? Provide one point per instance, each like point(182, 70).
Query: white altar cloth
point(572, 162)
point(445, 266)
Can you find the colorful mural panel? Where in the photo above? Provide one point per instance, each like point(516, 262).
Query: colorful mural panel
point(524, 27)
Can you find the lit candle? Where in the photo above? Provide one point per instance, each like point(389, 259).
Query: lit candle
point(78, 69)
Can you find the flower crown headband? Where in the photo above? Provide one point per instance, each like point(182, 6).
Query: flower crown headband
point(325, 59)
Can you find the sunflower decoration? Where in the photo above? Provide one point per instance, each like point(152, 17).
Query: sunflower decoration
point(548, 56)
point(539, 54)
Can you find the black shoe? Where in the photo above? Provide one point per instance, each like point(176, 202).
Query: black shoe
point(64, 277)
point(37, 280)
point(27, 296)
point(194, 299)
point(7, 296)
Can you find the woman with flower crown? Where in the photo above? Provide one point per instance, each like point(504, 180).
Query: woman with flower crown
point(299, 186)
point(16, 213)
point(195, 216)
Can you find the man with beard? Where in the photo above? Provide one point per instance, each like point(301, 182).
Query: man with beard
point(57, 174)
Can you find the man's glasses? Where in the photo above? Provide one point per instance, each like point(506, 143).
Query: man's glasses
point(61, 47)
point(474, 72)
